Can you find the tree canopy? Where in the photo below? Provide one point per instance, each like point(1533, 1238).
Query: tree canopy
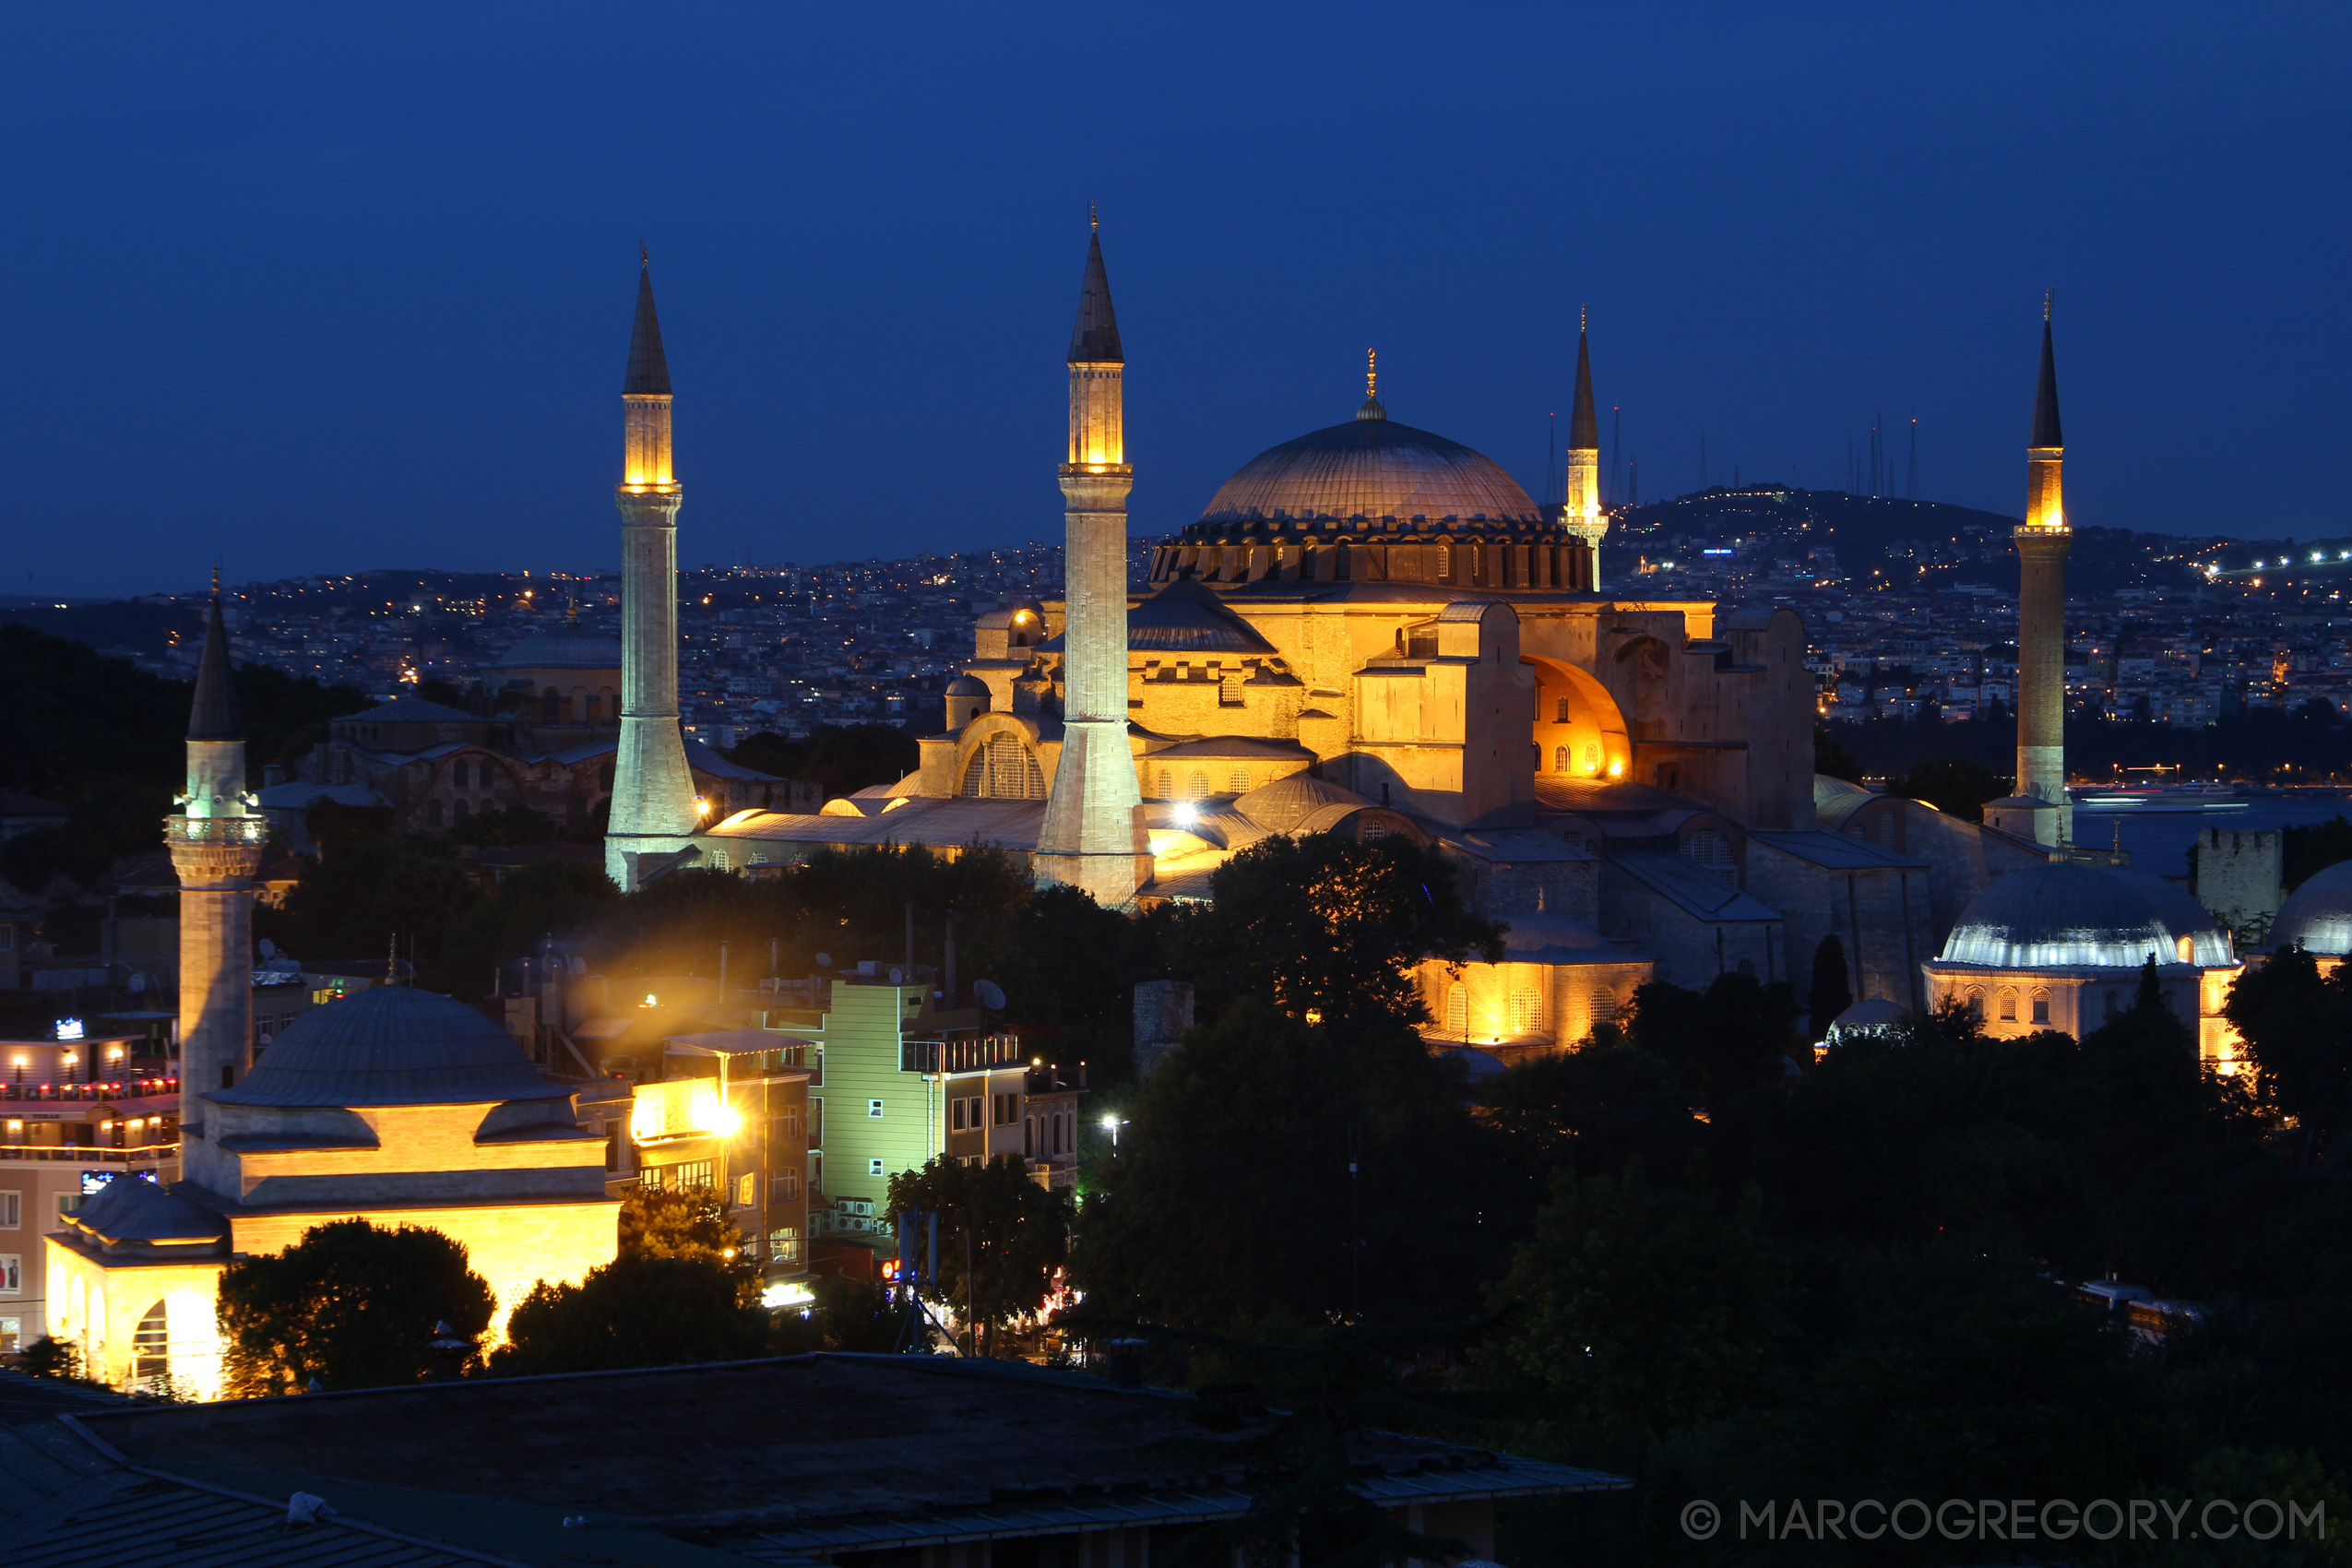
point(352, 1305)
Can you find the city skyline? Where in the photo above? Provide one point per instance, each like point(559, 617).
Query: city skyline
point(392, 340)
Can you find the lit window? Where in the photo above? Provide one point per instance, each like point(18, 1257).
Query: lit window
point(1457, 1010)
point(1526, 1011)
point(747, 1190)
point(2041, 1009)
point(2008, 1006)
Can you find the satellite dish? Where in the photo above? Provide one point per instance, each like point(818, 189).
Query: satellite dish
point(898, 976)
point(579, 966)
point(269, 948)
point(991, 997)
point(824, 960)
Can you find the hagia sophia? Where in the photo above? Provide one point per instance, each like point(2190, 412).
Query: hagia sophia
point(1371, 631)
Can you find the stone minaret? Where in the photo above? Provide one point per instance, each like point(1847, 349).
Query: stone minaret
point(1093, 835)
point(1582, 515)
point(2042, 612)
point(216, 843)
point(653, 790)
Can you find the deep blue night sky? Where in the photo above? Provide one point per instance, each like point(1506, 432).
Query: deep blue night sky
point(321, 288)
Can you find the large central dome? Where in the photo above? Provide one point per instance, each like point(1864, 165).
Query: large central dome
point(1368, 470)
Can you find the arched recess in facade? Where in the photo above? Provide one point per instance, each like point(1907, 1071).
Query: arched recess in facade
point(1580, 733)
point(999, 760)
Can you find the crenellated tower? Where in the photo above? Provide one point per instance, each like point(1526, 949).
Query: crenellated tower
point(2042, 540)
point(1580, 516)
point(653, 790)
point(1093, 835)
point(216, 841)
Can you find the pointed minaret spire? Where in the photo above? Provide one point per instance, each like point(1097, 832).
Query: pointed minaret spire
point(214, 716)
point(2046, 427)
point(1093, 835)
point(1095, 341)
point(1580, 511)
point(648, 367)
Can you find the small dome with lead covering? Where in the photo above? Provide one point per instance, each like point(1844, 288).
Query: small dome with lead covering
point(2317, 917)
point(2060, 916)
point(392, 1045)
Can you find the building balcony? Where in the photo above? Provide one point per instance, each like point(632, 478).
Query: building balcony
point(92, 1154)
point(132, 1091)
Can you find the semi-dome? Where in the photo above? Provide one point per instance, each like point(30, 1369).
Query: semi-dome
point(2317, 917)
point(2059, 916)
point(392, 1045)
point(966, 686)
point(564, 647)
point(1373, 468)
point(1284, 805)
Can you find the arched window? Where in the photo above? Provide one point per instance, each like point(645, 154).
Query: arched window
point(1444, 562)
point(1458, 1009)
point(2042, 1008)
point(1603, 1005)
point(1003, 769)
point(463, 810)
point(551, 703)
point(2008, 1006)
point(1167, 785)
point(1562, 711)
point(151, 1348)
point(1668, 776)
point(1526, 1011)
point(1559, 759)
point(1228, 691)
point(1711, 851)
point(1239, 781)
point(1977, 1004)
point(1747, 967)
point(1592, 756)
point(1196, 787)
point(581, 710)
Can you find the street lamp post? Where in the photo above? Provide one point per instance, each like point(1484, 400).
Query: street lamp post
point(1112, 1125)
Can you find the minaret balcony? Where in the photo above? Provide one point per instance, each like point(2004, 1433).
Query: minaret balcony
point(222, 831)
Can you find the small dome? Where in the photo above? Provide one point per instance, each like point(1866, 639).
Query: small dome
point(1373, 467)
point(967, 686)
point(2059, 916)
point(392, 1045)
point(564, 647)
point(1282, 805)
point(2209, 946)
point(1865, 1017)
point(2318, 915)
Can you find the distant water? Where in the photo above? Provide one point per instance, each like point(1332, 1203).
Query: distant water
point(2160, 833)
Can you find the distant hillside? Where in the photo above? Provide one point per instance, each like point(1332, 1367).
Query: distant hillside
point(1926, 543)
point(123, 627)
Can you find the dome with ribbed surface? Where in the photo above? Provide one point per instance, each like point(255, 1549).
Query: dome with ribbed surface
point(1287, 803)
point(2059, 916)
point(1373, 468)
point(392, 1045)
point(2317, 916)
point(564, 647)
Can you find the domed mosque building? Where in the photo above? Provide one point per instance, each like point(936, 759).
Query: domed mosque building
point(1374, 629)
point(393, 1105)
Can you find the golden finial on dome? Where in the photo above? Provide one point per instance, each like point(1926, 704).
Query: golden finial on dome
point(1583, 312)
point(1094, 218)
point(1371, 373)
point(2048, 295)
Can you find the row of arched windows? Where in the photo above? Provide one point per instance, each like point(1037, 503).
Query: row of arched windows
point(1526, 1008)
point(1199, 783)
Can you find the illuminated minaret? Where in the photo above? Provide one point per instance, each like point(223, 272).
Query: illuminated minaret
point(1582, 515)
point(2042, 612)
point(1093, 835)
point(216, 842)
point(653, 790)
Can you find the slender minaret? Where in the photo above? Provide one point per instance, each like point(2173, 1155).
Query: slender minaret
point(216, 841)
point(1582, 515)
point(653, 790)
point(1093, 835)
point(2041, 611)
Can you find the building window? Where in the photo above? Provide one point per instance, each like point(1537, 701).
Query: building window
point(784, 1243)
point(613, 1145)
point(1561, 712)
point(873, 1165)
point(1458, 1009)
point(1977, 1006)
point(1712, 851)
point(1005, 1109)
point(11, 1210)
point(873, 1108)
point(747, 1190)
point(1559, 759)
point(1668, 776)
point(1526, 1011)
point(788, 1126)
point(1444, 562)
point(1239, 781)
point(1196, 785)
point(1228, 691)
point(1604, 1005)
point(688, 1173)
point(784, 1187)
point(2008, 1006)
point(1167, 784)
point(1004, 770)
point(2041, 1009)
point(151, 1348)
point(816, 1123)
point(12, 1335)
point(12, 1274)
point(68, 1202)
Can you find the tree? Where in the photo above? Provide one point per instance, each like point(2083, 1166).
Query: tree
point(1957, 786)
point(1015, 1233)
point(840, 759)
point(689, 1223)
point(1645, 1306)
point(2312, 848)
point(637, 1311)
point(1232, 1196)
point(1329, 927)
point(1831, 993)
point(350, 1304)
point(1831, 759)
point(1729, 1038)
point(2297, 1029)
